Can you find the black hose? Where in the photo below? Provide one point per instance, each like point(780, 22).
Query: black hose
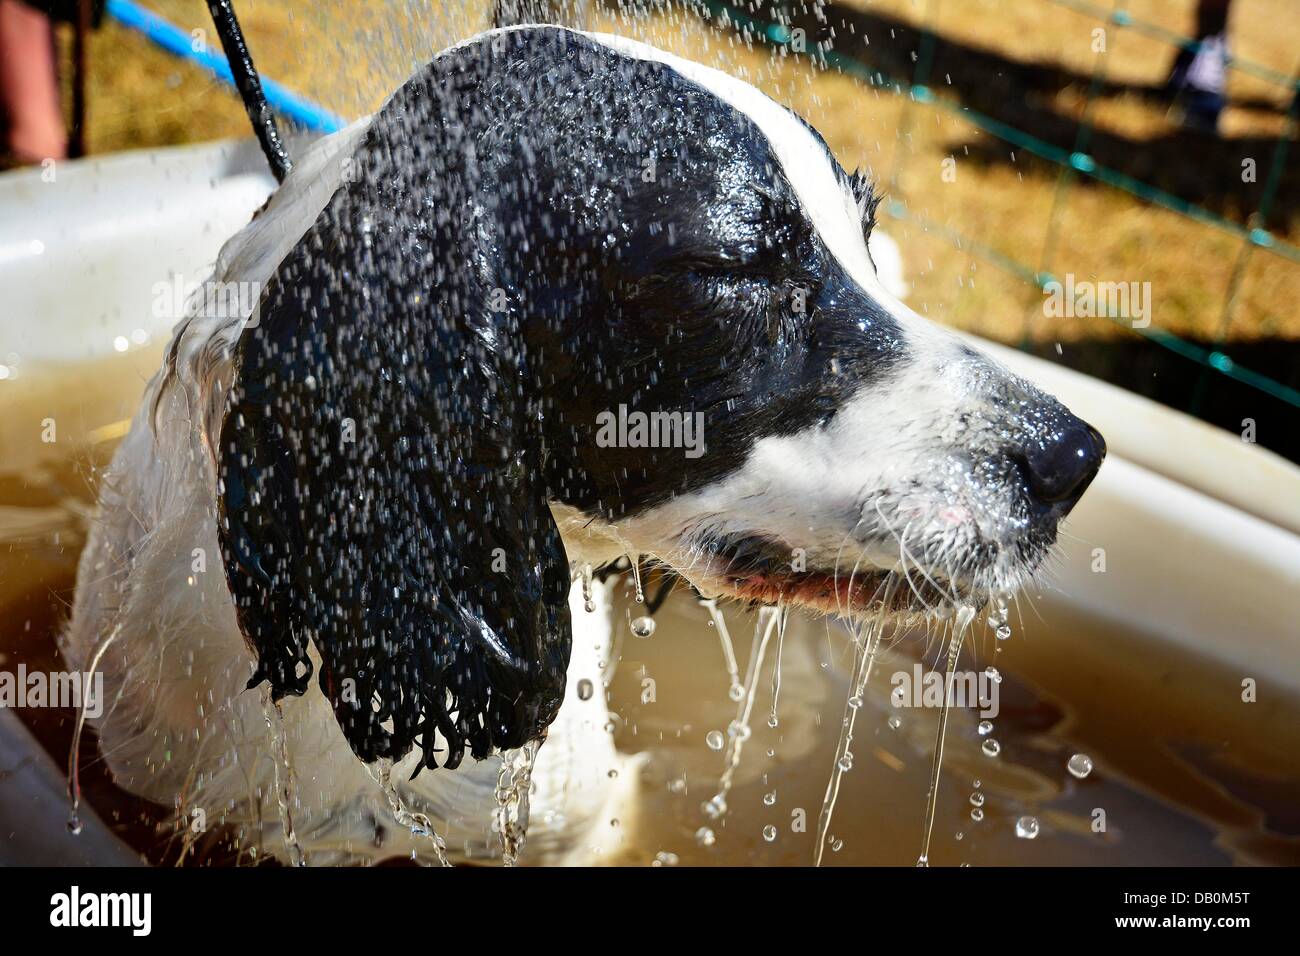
point(250, 87)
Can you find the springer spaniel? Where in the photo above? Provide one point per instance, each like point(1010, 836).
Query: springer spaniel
point(397, 456)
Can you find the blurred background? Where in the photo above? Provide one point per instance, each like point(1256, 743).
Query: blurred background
point(1149, 141)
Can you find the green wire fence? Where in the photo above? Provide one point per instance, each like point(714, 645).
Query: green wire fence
point(1073, 162)
point(1123, 18)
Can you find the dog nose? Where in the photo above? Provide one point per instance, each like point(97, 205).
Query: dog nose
point(1060, 468)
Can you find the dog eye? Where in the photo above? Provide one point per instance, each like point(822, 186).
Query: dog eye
point(721, 265)
point(743, 289)
point(790, 309)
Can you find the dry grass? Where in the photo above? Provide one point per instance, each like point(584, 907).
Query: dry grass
point(348, 54)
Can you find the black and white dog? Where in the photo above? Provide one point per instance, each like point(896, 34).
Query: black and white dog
point(397, 457)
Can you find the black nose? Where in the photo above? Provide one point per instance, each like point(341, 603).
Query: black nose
point(1060, 468)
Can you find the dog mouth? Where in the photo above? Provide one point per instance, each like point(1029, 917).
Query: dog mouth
point(759, 570)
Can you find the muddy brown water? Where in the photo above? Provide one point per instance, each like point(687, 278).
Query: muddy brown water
point(1183, 770)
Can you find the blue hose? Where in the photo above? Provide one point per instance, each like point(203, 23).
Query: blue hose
point(174, 40)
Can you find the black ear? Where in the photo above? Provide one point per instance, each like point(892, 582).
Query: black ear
point(380, 476)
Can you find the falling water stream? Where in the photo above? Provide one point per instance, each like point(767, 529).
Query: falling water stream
point(74, 752)
point(736, 690)
point(418, 823)
point(769, 619)
point(636, 577)
point(588, 602)
point(772, 719)
point(283, 776)
point(513, 790)
point(964, 616)
point(864, 656)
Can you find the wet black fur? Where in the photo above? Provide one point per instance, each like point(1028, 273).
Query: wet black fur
point(501, 270)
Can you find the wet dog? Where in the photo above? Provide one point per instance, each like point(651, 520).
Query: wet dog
point(399, 459)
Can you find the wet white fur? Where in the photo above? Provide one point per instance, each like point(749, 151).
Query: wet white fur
point(181, 730)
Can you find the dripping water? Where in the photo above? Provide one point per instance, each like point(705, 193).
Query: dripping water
point(772, 719)
point(736, 690)
point(588, 602)
point(418, 823)
point(514, 784)
point(769, 619)
point(864, 656)
point(74, 751)
point(964, 616)
point(283, 778)
point(998, 619)
point(636, 577)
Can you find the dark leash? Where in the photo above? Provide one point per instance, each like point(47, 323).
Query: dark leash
point(250, 87)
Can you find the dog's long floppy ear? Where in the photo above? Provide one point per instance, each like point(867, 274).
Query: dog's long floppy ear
point(379, 470)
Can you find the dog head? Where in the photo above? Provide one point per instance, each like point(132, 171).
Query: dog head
point(578, 280)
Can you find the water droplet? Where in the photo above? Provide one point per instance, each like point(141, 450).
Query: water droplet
point(977, 799)
point(769, 833)
point(678, 786)
point(643, 626)
point(585, 689)
point(769, 799)
point(991, 748)
point(1027, 828)
point(663, 858)
point(704, 837)
point(993, 674)
point(587, 601)
point(636, 577)
point(736, 692)
point(855, 701)
point(715, 740)
point(772, 721)
point(985, 728)
point(1080, 765)
point(977, 814)
point(1004, 632)
point(895, 722)
point(74, 824)
point(738, 730)
point(846, 762)
point(998, 616)
point(715, 806)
